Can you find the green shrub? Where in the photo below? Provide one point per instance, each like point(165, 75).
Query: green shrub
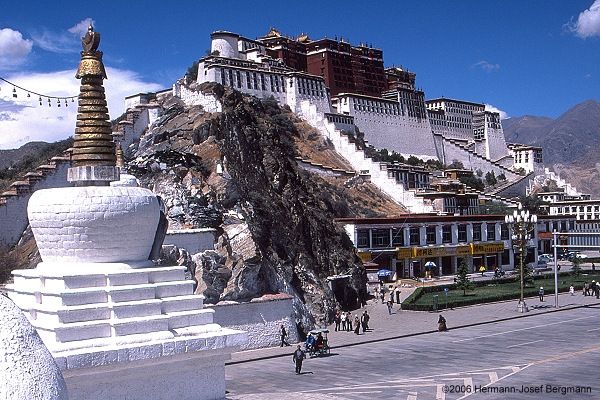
point(8, 263)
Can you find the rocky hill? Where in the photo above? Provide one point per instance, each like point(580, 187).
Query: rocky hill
point(570, 143)
point(237, 171)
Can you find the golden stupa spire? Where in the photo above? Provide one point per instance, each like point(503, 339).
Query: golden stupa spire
point(94, 158)
point(94, 145)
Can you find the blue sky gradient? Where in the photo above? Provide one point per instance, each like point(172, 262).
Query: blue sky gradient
point(520, 57)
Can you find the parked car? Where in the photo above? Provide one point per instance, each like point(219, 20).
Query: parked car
point(578, 254)
point(543, 259)
point(548, 257)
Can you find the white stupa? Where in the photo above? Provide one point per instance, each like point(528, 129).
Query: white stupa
point(117, 326)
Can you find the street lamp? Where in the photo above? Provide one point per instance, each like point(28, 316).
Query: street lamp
point(521, 224)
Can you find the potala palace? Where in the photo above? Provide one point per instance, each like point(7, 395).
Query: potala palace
point(344, 90)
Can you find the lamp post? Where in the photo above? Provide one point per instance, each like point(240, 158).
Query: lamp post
point(521, 223)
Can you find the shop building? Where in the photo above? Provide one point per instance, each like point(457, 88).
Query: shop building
point(407, 243)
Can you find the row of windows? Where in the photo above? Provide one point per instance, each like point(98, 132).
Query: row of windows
point(253, 80)
point(340, 120)
point(575, 209)
point(394, 237)
point(276, 83)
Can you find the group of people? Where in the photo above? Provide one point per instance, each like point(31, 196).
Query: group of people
point(592, 289)
point(344, 322)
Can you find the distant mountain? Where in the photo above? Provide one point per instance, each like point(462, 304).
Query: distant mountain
point(11, 157)
point(570, 143)
point(572, 138)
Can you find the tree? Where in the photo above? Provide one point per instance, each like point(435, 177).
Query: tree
point(473, 182)
point(462, 277)
point(534, 204)
point(456, 165)
point(192, 73)
point(576, 262)
point(490, 178)
point(8, 262)
point(527, 275)
point(494, 207)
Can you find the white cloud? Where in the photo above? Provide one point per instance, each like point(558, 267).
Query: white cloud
point(486, 66)
point(22, 119)
point(503, 114)
point(68, 41)
point(81, 28)
point(588, 22)
point(13, 49)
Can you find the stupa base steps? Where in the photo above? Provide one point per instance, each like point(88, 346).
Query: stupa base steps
point(78, 305)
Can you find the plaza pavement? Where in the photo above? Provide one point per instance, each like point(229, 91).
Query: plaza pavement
point(409, 323)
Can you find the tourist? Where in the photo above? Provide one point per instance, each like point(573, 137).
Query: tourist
point(349, 322)
point(357, 325)
point(337, 319)
point(366, 317)
point(541, 293)
point(343, 319)
point(442, 324)
point(283, 335)
point(298, 357)
point(389, 306)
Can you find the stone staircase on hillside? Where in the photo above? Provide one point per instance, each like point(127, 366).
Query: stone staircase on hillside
point(509, 173)
point(13, 202)
point(364, 165)
point(505, 186)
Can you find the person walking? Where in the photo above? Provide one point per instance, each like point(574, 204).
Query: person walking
point(389, 306)
point(541, 293)
point(283, 335)
point(298, 357)
point(442, 324)
point(572, 290)
point(343, 318)
point(337, 319)
point(357, 325)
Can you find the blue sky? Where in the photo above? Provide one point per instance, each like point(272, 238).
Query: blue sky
point(519, 57)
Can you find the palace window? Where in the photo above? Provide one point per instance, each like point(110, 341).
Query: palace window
point(446, 233)
point(397, 237)
point(462, 233)
point(415, 236)
point(491, 232)
point(430, 234)
point(362, 238)
point(381, 237)
point(476, 232)
point(504, 232)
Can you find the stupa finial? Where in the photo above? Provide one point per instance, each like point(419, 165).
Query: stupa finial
point(93, 149)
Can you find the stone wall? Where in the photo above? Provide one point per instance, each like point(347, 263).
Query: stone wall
point(192, 240)
point(196, 98)
point(13, 213)
point(260, 318)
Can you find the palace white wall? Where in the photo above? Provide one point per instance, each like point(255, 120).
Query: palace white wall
point(386, 126)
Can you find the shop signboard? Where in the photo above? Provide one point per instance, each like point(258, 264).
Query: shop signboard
point(487, 248)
